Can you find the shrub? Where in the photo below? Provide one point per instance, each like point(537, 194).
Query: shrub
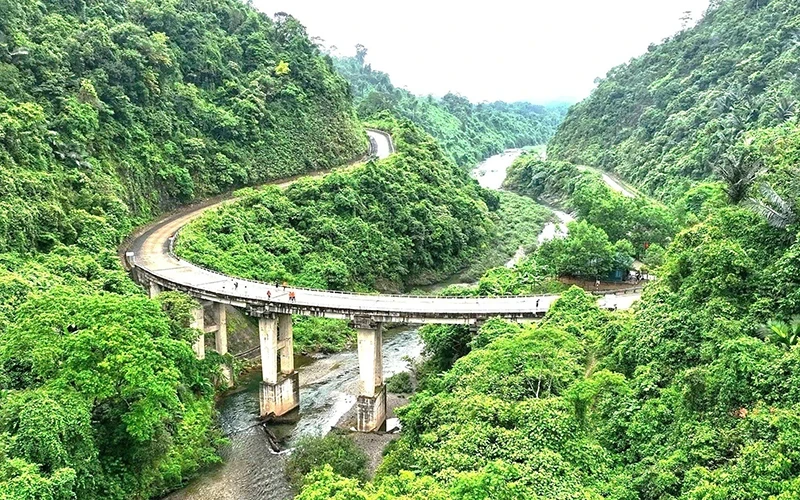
point(400, 383)
point(340, 452)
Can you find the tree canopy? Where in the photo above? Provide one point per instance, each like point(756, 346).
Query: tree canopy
point(688, 106)
point(692, 394)
point(110, 113)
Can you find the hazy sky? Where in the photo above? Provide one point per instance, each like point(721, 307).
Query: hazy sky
point(536, 50)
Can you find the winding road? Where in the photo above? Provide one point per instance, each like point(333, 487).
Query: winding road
point(153, 264)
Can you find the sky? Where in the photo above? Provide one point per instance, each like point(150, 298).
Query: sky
point(512, 50)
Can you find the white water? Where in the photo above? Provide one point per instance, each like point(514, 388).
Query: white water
point(556, 229)
point(491, 173)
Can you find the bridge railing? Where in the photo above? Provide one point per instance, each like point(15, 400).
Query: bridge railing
point(342, 292)
point(172, 254)
point(409, 314)
point(620, 291)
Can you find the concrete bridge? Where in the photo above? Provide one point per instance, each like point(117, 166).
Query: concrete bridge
point(150, 258)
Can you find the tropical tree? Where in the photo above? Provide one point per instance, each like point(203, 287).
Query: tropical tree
point(586, 251)
point(738, 171)
point(785, 108)
point(775, 209)
point(782, 333)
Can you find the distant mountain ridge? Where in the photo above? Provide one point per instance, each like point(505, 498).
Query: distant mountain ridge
point(665, 119)
point(469, 132)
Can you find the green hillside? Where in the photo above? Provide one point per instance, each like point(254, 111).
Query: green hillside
point(673, 115)
point(110, 112)
point(469, 132)
point(381, 223)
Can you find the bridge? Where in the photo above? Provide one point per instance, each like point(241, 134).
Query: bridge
point(150, 258)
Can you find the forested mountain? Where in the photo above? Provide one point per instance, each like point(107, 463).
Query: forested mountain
point(469, 132)
point(412, 218)
point(111, 111)
point(677, 113)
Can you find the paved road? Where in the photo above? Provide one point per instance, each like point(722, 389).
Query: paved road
point(154, 262)
point(611, 181)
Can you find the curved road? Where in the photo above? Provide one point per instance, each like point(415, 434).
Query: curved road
point(153, 263)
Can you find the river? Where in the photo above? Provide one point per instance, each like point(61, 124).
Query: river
point(250, 471)
point(490, 175)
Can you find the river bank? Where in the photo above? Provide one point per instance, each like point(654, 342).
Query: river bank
point(329, 384)
point(250, 470)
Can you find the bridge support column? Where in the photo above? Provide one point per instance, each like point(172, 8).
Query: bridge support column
point(199, 346)
point(220, 331)
point(154, 289)
point(371, 403)
point(280, 389)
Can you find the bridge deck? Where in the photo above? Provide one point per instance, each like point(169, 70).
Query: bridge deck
point(154, 262)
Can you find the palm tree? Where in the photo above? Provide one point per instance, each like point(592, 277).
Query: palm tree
point(782, 333)
point(739, 172)
point(785, 108)
point(778, 212)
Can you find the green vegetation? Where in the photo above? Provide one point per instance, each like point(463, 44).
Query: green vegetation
point(518, 221)
point(102, 394)
point(468, 132)
point(683, 399)
point(312, 334)
point(687, 107)
point(339, 453)
point(639, 220)
point(413, 218)
point(109, 113)
point(381, 224)
point(528, 277)
point(586, 251)
point(693, 394)
point(501, 423)
point(400, 383)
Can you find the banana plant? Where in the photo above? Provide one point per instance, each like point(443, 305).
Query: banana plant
point(782, 333)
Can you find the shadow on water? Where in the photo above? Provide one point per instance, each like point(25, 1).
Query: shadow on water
point(328, 390)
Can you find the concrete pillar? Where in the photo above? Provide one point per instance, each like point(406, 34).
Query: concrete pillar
point(286, 343)
point(268, 341)
point(221, 336)
point(371, 403)
point(154, 289)
point(199, 346)
point(280, 392)
point(221, 340)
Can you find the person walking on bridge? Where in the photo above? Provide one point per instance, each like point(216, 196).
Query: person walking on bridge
point(269, 295)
